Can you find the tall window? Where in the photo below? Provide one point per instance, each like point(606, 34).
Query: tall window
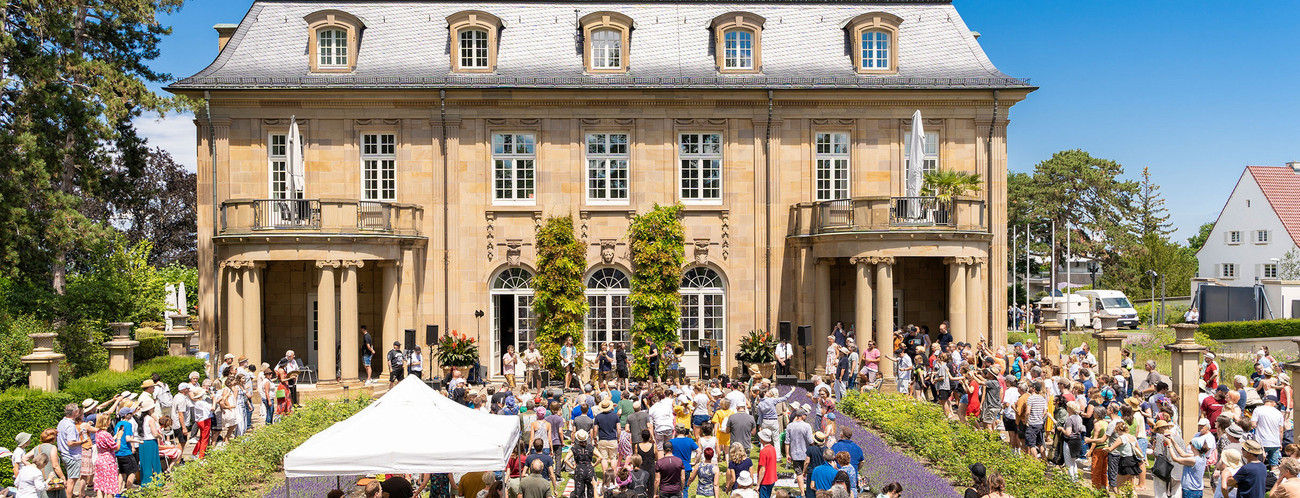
point(931, 161)
point(279, 167)
point(875, 49)
point(701, 172)
point(609, 316)
point(1270, 270)
point(832, 166)
point(738, 45)
point(703, 307)
point(379, 166)
point(474, 48)
point(606, 49)
point(332, 48)
point(607, 157)
point(514, 157)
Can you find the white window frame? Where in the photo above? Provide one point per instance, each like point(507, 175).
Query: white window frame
point(606, 53)
point(1261, 237)
point(1228, 270)
point(833, 165)
point(506, 157)
point(931, 160)
point(736, 56)
point(609, 311)
point(379, 166)
point(605, 158)
point(1234, 237)
point(277, 162)
point(690, 336)
point(693, 163)
point(337, 49)
point(1268, 270)
point(874, 51)
point(479, 48)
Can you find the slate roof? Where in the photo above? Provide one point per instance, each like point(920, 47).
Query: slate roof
point(405, 44)
point(1281, 186)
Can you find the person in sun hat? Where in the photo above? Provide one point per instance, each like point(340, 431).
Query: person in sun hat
point(584, 472)
point(1250, 479)
point(607, 423)
point(1210, 371)
point(744, 486)
point(20, 449)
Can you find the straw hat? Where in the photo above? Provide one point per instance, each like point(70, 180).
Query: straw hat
point(581, 435)
point(88, 403)
point(1161, 424)
point(1252, 447)
point(146, 384)
point(1232, 458)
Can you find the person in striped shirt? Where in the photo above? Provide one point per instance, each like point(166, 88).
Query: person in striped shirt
point(1036, 416)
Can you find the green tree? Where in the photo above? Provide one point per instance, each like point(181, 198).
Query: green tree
point(559, 305)
point(1176, 263)
point(658, 242)
point(1151, 216)
point(1289, 267)
point(1197, 241)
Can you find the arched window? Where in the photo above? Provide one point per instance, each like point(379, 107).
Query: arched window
point(738, 44)
point(334, 37)
point(606, 49)
point(474, 36)
point(738, 49)
point(609, 316)
point(513, 279)
point(473, 45)
point(874, 38)
point(606, 37)
point(704, 310)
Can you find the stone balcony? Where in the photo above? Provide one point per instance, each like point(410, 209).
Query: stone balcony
point(885, 214)
point(324, 217)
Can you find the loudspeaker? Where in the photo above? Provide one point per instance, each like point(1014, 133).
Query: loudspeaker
point(410, 339)
point(805, 335)
point(431, 334)
point(785, 331)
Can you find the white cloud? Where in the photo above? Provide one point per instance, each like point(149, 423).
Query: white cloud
point(174, 134)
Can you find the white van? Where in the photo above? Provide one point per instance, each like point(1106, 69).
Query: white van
point(1072, 310)
point(1110, 302)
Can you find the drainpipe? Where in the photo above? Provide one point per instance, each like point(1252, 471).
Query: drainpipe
point(767, 213)
point(988, 207)
point(446, 221)
point(216, 268)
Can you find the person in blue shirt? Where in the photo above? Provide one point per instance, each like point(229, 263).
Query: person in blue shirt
point(127, 464)
point(823, 476)
point(846, 444)
point(1250, 478)
point(684, 448)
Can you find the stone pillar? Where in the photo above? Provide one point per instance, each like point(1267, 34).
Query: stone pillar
point(43, 363)
point(350, 332)
point(1049, 341)
point(977, 316)
point(1049, 314)
point(121, 350)
point(884, 291)
point(957, 297)
point(862, 302)
point(1109, 343)
point(252, 313)
point(233, 320)
point(390, 290)
point(178, 338)
point(1185, 356)
point(326, 323)
point(821, 310)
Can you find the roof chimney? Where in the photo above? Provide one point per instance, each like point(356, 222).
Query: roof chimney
point(1295, 166)
point(224, 32)
point(976, 34)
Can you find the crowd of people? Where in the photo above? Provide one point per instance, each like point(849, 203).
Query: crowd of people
point(102, 448)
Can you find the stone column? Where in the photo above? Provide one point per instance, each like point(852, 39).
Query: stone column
point(43, 363)
point(1049, 340)
point(1109, 343)
point(121, 350)
point(390, 290)
point(253, 313)
point(326, 323)
point(862, 302)
point(350, 332)
point(178, 338)
point(821, 310)
point(957, 297)
point(233, 319)
point(884, 291)
point(977, 316)
point(1185, 356)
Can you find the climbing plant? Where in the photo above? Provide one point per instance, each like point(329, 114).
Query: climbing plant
point(658, 242)
point(559, 306)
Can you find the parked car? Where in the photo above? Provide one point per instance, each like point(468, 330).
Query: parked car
point(1110, 302)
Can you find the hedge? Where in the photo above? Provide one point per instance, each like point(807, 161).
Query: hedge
point(1252, 330)
point(30, 411)
point(152, 344)
point(105, 384)
point(250, 462)
point(953, 446)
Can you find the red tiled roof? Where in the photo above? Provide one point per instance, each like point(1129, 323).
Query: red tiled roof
point(1281, 186)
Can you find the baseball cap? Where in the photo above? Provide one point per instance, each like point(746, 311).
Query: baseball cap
point(1203, 421)
point(765, 435)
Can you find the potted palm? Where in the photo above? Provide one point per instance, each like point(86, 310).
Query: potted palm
point(456, 350)
point(758, 348)
point(946, 184)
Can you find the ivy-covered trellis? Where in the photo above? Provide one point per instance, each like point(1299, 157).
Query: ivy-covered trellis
point(658, 243)
point(559, 306)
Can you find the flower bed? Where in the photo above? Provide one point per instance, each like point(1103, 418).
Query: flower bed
point(883, 464)
point(954, 446)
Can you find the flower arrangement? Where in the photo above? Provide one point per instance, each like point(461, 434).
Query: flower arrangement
point(757, 347)
point(457, 350)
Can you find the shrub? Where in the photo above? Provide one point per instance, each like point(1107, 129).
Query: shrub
point(1252, 330)
point(658, 242)
point(30, 411)
point(152, 343)
point(103, 385)
point(82, 342)
point(15, 344)
point(953, 446)
point(1173, 312)
point(559, 303)
point(249, 461)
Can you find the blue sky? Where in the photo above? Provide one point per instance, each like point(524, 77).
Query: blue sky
point(1194, 90)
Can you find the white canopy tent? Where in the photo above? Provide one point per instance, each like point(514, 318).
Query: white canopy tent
point(410, 430)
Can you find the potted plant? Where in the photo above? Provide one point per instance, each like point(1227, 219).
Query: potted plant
point(758, 348)
point(456, 350)
point(946, 184)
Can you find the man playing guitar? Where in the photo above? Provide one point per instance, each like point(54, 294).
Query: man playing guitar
point(568, 354)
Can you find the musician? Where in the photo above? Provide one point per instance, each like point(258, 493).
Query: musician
point(568, 354)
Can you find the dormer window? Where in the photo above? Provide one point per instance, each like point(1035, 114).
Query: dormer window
point(334, 37)
point(738, 46)
point(875, 42)
point(606, 38)
point(475, 34)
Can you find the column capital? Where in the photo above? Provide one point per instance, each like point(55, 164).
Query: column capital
point(959, 260)
point(353, 263)
point(328, 263)
point(239, 264)
point(861, 261)
point(881, 260)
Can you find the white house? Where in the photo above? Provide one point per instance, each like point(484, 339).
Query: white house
point(1258, 225)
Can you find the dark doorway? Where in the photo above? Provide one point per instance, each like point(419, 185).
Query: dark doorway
point(505, 327)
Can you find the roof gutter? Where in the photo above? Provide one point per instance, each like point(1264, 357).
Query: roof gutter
point(216, 269)
point(767, 214)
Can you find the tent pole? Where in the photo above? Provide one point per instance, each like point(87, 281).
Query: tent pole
point(337, 483)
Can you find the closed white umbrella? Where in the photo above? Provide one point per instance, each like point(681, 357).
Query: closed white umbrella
point(917, 153)
point(296, 177)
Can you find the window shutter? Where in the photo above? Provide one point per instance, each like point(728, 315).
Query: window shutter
point(1268, 236)
point(1227, 236)
point(1218, 270)
point(1259, 271)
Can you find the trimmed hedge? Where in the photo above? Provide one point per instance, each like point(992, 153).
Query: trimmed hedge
point(30, 411)
point(953, 446)
point(152, 344)
point(250, 462)
point(105, 384)
point(1252, 330)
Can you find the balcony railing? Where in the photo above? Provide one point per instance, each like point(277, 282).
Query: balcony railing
point(331, 216)
point(881, 213)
